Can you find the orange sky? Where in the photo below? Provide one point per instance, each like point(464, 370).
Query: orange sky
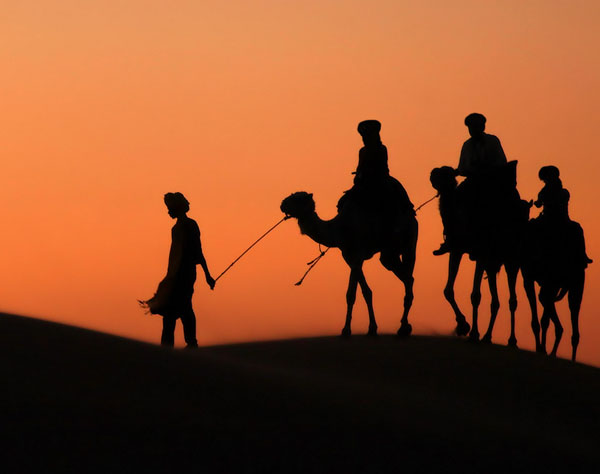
point(108, 105)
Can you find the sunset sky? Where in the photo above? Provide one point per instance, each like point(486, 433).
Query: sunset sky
point(108, 105)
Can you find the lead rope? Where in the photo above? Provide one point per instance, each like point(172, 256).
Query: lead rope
point(322, 253)
point(427, 202)
point(257, 241)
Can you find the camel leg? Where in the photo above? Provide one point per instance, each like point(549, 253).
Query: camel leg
point(494, 305)
point(405, 327)
point(407, 265)
point(545, 319)
point(403, 270)
point(511, 274)
point(544, 323)
point(575, 297)
point(558, 330)
point(462, 326)
point(547, 298)
point(529, 285)
point(475, 300)
point(368, 296)
point(350, 299)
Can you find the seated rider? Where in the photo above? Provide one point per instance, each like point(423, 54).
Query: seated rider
point(553, 197)
point(481, 153)
point(480, 157)
point(555, 202)
point(372, 182)
point(372, 158)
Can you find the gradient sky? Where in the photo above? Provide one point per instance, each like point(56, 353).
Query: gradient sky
point(108, 105)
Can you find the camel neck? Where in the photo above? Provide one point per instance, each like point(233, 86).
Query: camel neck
point(322, 232)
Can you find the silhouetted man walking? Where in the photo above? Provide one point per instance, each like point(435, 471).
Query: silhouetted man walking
point(173, 299)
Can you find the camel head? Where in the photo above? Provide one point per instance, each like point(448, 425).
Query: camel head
point(297, 205)
point(443, 179)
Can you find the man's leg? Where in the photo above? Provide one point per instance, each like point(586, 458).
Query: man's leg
point(188, 319)
point(168, 332)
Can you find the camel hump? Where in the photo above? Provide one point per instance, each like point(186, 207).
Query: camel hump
point(384, 203)
point(508, 173)
point(561, 243)
point(398, 194)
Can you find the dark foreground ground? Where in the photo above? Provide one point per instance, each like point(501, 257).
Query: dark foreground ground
point(73, 400)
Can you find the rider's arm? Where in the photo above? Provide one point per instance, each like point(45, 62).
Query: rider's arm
point(498, 156)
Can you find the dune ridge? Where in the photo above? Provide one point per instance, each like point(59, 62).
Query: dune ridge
point(79, 400)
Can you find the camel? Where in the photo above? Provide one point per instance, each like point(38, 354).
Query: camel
point(554, 257)
point(360, 233)
point(496, 246)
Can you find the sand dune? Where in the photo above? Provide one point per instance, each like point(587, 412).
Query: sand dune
point(78, 400)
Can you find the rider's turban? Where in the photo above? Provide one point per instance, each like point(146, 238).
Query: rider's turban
point(474, 119)
point(368, 127)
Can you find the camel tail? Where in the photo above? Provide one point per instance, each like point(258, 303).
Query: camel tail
point(561, 294)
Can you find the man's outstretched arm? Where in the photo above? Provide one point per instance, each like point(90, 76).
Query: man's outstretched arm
point(202, 262)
